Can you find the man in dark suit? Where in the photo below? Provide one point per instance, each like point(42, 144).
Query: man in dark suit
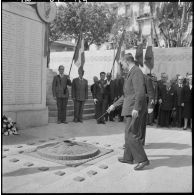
point(95, 80)
point(179, 108)
point(99, 97)
point(134, 106)
point(109, 95)
point(79, 95)
point(167, 96)
point(119, 83)
point(61, 93)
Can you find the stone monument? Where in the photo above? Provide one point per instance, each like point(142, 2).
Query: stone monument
point(24, 64)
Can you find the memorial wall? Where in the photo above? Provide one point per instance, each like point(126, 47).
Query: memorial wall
point(23, 65)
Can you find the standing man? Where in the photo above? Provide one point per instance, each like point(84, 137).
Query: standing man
point(61, 93)
point(95, 80)
point(109, 95)
point(179, 108)
point(119, 83)
point(134, 106)
point(79, 95)
point(99, 97)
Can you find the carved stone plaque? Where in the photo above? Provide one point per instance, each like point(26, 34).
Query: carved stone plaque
point(22, 40)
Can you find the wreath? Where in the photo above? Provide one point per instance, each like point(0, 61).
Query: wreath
point(9, 126)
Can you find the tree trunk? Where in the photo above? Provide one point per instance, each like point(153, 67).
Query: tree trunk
point(182, 24)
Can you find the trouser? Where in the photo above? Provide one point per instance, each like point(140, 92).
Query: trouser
point(164, 118)
point(179, 110)
point(133, 147)
point(61, 105)
point(142, 128)
point(100, 110)
point(78, 110)
point(107, 103)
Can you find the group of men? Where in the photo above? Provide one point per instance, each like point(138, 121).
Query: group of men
point(79, 93)
point(173, 101)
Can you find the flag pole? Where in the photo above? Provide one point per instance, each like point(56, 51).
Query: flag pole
point(76, 48)
point(74, 55)
point(117, 50)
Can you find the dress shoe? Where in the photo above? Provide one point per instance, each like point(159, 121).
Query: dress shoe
point(112, 120)
point(122, 160)
point(65, 122)
point(185, 128)
point(141, 165)
point(58, 122)
point(103, 122)
point(80, 121)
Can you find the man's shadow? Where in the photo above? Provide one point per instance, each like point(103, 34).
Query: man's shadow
point(167, 145)
point(173, 161)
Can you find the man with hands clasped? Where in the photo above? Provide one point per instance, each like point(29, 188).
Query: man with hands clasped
point(134, 107)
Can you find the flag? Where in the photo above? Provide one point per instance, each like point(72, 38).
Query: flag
point(79, 55)
point(139, 54)
point(121, 48)
point(149, 56)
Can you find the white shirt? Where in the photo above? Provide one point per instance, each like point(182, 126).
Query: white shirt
point(190, 87)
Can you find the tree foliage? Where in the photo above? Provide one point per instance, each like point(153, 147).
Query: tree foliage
point(93, 19)
point(173, 20)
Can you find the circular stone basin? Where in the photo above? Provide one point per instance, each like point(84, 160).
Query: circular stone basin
point(68, 150)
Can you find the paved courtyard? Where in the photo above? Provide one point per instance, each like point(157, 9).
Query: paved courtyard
point(169, 152)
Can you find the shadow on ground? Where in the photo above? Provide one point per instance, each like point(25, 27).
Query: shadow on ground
point(167, 145)
point(173, 161)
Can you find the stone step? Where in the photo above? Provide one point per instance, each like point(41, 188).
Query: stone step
point(71, 112)
point(53, 107)
point(70, 118)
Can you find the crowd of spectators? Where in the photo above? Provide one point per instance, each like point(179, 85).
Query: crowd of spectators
point(172, 100)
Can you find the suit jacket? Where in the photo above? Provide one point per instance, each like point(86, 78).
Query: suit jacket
point(99, 90)
point(149, 90)
point(109, 90)
point(178, 95)
point(186, 94)
point(134, 97)
point(168, 98)
point(59, 86)
point(80, 89)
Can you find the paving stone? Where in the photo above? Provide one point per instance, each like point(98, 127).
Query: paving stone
point(78, 178)
point(14, 160)
point(6, 149)
point(107, 145)
point(84, 140)
point(28, 164)
point(91, 172)
point(52, 138)
point(19, 146)
point(60, 173)
point(21, 151)
point(4, 156)
point(43, 168)
point(73, 139)
point(103, 166)
point(61, 136)
point(42, 140)
point(97, 143)
point(31, 143)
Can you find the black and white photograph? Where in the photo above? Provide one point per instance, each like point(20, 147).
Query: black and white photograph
point(97, 97)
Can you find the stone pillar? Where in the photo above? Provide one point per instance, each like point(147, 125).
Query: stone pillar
point(24, 65)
